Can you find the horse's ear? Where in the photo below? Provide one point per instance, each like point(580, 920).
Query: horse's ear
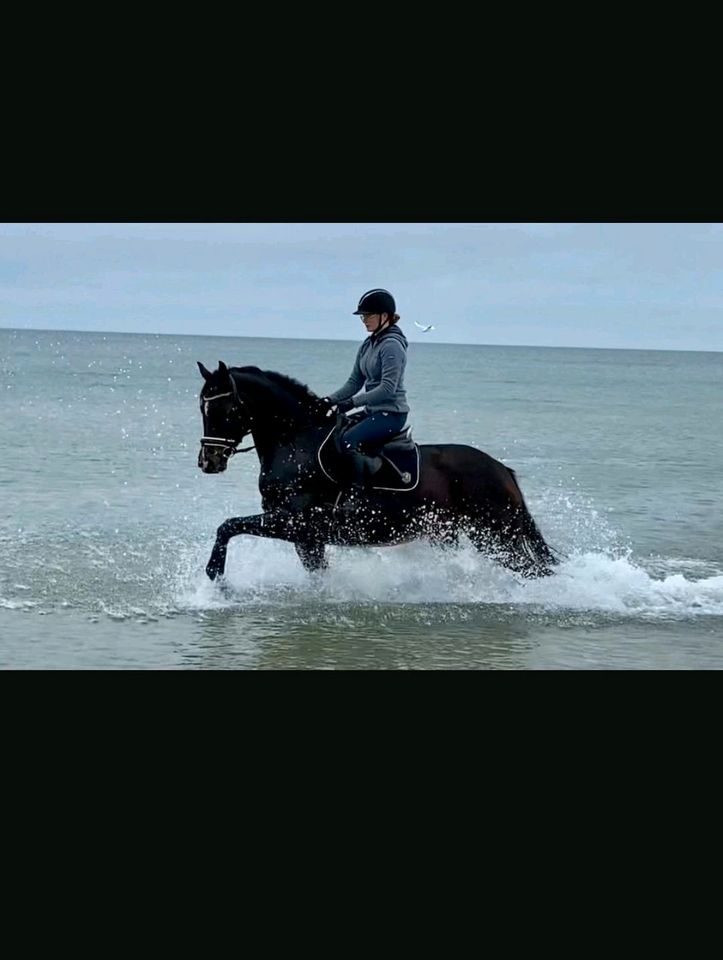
point(223, 368)
point(206, 374)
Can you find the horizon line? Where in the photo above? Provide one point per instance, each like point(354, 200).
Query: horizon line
point(449, 343)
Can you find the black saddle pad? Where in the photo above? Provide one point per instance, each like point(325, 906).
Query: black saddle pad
point(399, 470)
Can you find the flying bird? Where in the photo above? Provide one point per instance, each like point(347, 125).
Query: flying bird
point(424, 329)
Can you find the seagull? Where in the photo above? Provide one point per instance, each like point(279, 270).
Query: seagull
point(424, 329)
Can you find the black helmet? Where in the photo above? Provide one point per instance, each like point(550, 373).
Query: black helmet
point(376, 301)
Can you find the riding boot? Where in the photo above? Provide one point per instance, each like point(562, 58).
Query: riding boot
point(361, 468)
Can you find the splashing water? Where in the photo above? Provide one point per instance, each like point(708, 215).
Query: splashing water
point(269, 572)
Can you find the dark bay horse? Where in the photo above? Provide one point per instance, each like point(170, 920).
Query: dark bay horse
point(460, 489)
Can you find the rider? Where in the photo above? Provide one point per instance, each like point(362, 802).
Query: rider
point(379, 368)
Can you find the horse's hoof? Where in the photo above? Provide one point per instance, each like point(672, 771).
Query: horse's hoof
point(225, 588)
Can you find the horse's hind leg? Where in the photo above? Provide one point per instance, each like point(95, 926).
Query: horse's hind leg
point(486, 539)
point(312, 555)
point(505, 544)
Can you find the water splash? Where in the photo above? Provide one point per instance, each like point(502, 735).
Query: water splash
point(144, 575)
point(269, 574)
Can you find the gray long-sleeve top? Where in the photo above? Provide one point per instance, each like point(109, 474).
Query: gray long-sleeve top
point(379, 367)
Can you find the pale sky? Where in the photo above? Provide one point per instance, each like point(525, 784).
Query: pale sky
point(629, 285)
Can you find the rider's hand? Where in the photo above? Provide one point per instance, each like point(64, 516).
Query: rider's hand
point(344, 405)
point(324, 406)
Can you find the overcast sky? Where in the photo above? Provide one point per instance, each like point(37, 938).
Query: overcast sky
point(645, 285)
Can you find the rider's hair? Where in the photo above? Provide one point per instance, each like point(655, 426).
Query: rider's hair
point(394, 319)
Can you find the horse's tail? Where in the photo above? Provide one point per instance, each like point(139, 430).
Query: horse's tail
point(541, 555)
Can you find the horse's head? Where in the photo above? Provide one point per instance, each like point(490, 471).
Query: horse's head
point(226, 419)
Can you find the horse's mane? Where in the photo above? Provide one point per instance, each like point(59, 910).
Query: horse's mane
point(296, 396)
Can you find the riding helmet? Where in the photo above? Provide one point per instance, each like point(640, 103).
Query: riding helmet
point(376, 301)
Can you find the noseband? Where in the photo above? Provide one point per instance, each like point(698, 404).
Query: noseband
point(228, 447)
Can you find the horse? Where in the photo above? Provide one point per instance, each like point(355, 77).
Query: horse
point(439, 492)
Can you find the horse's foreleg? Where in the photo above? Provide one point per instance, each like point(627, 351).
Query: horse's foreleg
point(312, 555)
point(278, 525)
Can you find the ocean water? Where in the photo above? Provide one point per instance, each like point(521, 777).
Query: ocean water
point(106, 522)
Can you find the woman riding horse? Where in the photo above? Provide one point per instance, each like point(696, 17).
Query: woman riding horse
point(460, 490)
point(379, 369)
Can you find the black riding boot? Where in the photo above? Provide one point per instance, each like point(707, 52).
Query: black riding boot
point(361, 468)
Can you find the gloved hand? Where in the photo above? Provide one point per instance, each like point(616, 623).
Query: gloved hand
point(324, 407)
point(344, 405)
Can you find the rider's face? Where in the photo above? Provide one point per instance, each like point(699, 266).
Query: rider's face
point(372, 321)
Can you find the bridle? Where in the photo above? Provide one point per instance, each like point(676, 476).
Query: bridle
point(228, 447)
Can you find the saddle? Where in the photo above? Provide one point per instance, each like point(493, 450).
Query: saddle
point(399, 456)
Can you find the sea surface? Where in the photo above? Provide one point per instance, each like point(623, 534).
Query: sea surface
point(106, 522)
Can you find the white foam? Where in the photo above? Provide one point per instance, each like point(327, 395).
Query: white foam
point(7, 604)
point(269, 572)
